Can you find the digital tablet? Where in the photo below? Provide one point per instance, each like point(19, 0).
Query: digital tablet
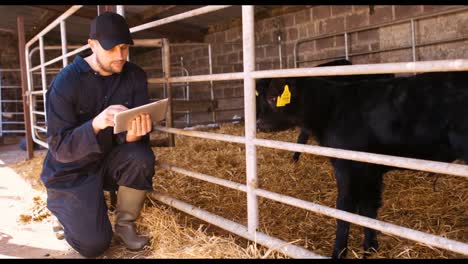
point(157, 111)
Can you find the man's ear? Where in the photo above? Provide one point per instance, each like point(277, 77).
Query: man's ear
point(92, 44)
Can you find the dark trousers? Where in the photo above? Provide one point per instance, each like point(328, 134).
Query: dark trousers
point(82, 210)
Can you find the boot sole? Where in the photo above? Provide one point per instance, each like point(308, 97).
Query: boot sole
point(119, 240)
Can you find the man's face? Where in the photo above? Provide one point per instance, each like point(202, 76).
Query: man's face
point(111, 61)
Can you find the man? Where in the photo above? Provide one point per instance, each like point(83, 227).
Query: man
point(84, 155)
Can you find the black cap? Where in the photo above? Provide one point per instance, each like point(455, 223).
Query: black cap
point(110, 29)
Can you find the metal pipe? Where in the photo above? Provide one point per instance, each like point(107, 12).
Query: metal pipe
point(229, 120)
point(52, 25)
point(27, 94)
point(190, 44)
point(428, 239)
point(397, 67)
point(39, 113)
point(13, 131)
point(40, 128)
point(10, 86)
point(41, 92)
point(43, 74)
point(236, 228)
point(213, 115)
point(413, 40)
point(11, 101)
point(120, 10)
point(204, 177)
point(346, 45)
point(63, 35)
point(186, 91)
point(12, 122)
point(249, 115)
point(1, 110)
point(200, 78)
point(13, 113)
point(71, 53)
point(40, 142)
point(163, 83)
point(51, 47)
point(279, 51)
point(392, 49)
point(201, 134)
point(188, 14)
point(395, 161)
point(10, 70)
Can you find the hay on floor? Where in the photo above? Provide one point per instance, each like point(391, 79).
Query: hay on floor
point(409, 200)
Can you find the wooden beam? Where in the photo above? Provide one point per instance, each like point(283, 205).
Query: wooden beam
point(154, 11)
point(7, 30)
point(147, 42)
point(45, 19)
point(261, 12)
point(24, 87)
point(89, 12)
point(176, 31)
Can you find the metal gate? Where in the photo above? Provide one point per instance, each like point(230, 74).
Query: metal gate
point(11, 116)
point(250, 141)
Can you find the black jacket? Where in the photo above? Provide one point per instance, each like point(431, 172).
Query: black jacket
point(77, 95)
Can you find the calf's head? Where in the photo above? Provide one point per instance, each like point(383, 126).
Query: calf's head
point(276, 99)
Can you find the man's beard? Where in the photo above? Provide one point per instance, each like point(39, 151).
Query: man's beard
point(107, 68)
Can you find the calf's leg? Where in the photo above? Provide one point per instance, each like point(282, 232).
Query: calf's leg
point(346, 201)
point(369, 203)
point(301, 139)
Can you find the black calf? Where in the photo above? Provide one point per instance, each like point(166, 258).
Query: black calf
point(303, 137)
point(423, 116)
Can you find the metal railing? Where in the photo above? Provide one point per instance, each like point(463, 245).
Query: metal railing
point(251, 142)
point(5, 112)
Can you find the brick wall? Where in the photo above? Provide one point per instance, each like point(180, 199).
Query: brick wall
point(315, 21)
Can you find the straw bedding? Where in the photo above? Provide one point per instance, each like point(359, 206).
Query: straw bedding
point(409, 200)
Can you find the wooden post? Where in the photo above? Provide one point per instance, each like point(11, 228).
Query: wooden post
point(24, 86)
point(167, 74)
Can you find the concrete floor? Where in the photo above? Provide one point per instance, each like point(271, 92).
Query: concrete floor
point(17, 239)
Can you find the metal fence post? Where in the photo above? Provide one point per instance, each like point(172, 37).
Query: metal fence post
point(249, 114)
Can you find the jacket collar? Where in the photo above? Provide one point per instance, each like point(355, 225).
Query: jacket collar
point(83, 66)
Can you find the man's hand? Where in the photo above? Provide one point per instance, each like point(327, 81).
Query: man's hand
point(140, 126)
point(106, 117)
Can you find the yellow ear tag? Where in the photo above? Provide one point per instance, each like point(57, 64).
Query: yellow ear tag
point(256, 92)
point(285, 97)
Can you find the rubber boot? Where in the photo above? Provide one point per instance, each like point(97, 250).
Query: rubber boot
point(57, 228)
point(129, 204)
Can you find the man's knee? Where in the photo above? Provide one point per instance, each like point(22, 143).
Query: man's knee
point(141, 158)
point(135, 166)
point(91, 246)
